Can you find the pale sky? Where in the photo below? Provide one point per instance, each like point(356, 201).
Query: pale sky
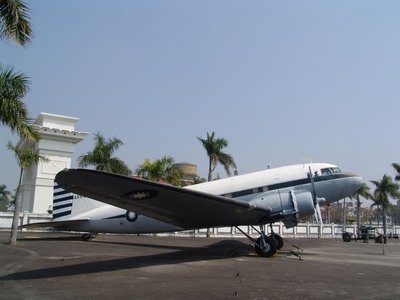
point(283, 81)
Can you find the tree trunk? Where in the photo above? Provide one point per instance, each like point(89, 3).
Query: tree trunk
point(209, 179)
point(209, 171)
point(384, 219)
point(358, 212)
point(344, 214)
point(328, 215)
point(17, 209)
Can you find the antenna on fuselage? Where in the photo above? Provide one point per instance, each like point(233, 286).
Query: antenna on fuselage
point(306, 161)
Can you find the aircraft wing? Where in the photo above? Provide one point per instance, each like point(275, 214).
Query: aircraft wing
point(174, 205)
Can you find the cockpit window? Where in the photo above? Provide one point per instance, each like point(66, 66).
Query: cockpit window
point(329, 171)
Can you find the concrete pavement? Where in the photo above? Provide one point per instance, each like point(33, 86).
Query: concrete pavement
point(61, 266)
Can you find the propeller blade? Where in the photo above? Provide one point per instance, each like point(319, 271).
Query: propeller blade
point(317, 201)
point(318, 215)
point(313, 190)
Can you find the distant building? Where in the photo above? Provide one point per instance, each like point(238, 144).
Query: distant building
point(189, 172)
point(57, 143)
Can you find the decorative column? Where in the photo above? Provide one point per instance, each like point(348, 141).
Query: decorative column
point(57, 144)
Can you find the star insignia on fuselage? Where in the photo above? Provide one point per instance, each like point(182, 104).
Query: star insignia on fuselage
point(131, 216)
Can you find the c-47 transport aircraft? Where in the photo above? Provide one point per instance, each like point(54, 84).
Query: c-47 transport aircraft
point(132, 205)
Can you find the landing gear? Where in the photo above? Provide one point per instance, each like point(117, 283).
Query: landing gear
point(279, 241)
point(346, 237)
point(266, 247)
point(381, 239)
point(88, 236)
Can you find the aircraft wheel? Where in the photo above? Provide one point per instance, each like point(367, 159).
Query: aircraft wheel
point(87, 237)
point(278, 241)
point(346, 237)
point(266, 249)
point(380, 238)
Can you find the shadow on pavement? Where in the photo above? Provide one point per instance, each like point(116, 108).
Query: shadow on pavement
point(54, 238)
point(219, 250)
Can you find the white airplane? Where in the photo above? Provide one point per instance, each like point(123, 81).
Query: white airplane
point(133, 205)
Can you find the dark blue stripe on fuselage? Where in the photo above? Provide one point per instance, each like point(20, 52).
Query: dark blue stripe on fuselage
point(287, 184)
point(116, 217)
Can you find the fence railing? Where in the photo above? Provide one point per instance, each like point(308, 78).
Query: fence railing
point(302, 230)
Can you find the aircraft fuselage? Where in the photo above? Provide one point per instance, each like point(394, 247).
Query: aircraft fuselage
point(271, 188)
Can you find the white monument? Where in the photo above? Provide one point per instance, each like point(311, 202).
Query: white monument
point(57, 144)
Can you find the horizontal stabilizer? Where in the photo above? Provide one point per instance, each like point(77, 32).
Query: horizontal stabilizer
point(55, 223)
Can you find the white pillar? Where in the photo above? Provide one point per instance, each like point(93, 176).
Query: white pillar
point(57, 144)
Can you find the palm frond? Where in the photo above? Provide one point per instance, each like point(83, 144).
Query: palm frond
point(214, 149)
point(102, 156)
point(13, 111)
point(26, 157)
point(396, 166)
point(15, 21)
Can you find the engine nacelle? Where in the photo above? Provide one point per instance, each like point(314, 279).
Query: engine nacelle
point(286, 206)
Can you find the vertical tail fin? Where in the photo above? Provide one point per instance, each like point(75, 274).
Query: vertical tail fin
point(62, 202)
point(67, 205)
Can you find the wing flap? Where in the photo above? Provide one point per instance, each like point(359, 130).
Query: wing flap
point(174, 205)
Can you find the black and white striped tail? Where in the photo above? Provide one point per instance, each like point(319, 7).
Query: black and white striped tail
point(62, 202)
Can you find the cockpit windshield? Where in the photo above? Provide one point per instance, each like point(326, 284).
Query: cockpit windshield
point(329, 171)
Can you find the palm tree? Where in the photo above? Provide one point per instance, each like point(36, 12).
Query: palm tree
point(396, 166)
point(198, 179)
point(4, 197)
point(214, 147)
point(26, 158)
point(385, 188)
point(162, 169)
point(363, 191)
point(14, 21)
point(13, 111)
point(15, 25)
point(101, 156)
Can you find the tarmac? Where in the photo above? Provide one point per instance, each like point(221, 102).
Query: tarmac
point(50, 265)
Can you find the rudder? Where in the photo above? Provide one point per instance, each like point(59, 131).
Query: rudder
point(62, 202)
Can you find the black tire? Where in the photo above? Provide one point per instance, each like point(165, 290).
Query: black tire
point(86, 237)
point(380, 238)
point(346, 237)
point(269, 249)
point(278, 241)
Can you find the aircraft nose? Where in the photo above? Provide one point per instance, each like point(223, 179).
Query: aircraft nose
point(354, 182)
